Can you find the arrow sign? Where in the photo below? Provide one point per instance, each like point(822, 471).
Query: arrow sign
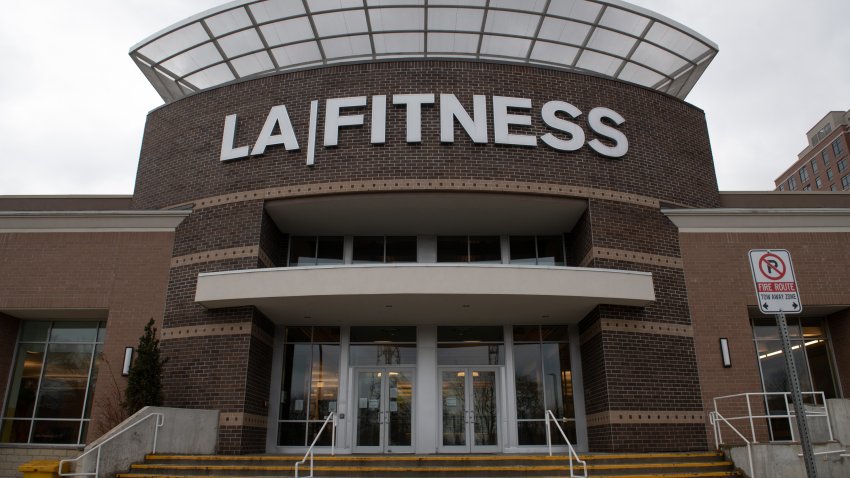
point(775, 281)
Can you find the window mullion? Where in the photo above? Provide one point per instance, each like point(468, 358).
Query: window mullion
point(40, 379)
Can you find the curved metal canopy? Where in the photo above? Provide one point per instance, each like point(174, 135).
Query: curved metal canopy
point(249, 38)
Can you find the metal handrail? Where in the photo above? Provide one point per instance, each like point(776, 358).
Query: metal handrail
point(330, 418)
point(571, 451)
point(790, 415)
point(715, 419)
point(160, 421)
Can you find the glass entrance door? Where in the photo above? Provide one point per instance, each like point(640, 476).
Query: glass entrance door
point(469, 410)
point(384, 404)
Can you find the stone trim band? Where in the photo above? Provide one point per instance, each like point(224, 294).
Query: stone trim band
point(629, 256)
point(420, 185)
point(240, 419)
point(641, 417)
point(216, 330)
point(215, 255)
point(637, 327)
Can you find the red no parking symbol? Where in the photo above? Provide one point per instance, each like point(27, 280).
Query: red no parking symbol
point(772, 266)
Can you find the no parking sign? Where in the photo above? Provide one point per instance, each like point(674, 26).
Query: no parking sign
point(776, 284)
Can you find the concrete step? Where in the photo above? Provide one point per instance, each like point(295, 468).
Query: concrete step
point(643, 465)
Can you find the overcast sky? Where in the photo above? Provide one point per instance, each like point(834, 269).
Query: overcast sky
point(73, 104)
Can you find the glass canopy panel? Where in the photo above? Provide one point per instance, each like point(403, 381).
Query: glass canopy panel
point(386, 19)
point(493, 45)
point(676, 41)
point(212, 76)
point(297, 54)
point(276, 10)
point(577, 9)
point(590, 60)
point(252, 64)
point(380, 3)
point(399, 42)
point(640, 75)
point(192, 60)
point(657, 59)
point(347, 46)
point(527, 5)
point(624, 21)
point(452, 43)
point(325, 5)
point(512, 23)
point(611, 42)
point(240, 43)
point(340, 23)
point(174, 42)
point(229, 21)
point(564, 31)
point(287, 31)
point(470, 3)
point(553, 52)
point(456, 19)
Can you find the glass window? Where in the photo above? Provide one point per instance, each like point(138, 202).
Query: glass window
point(452, 249)
point(401, 249)
point(845, 182)
point(818, 182)
point(836, 147)
point(543, 382)
point(782, 187)
point(542, 250)
point(309, 385)
point(312, 251)
point(480, 345)
point(825, 157)
point(810, 347)
point(832, 187)
point(485, 249)
point(329, 250)
point(829, 174)
point(804, 174)
point(807, 187)
point(368, 250)
point(792, 183)
point(53, 375)
point(842, 165)
point(814, 166)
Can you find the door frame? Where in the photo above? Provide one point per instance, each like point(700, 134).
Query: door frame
point(383, 406)
point(470, 446)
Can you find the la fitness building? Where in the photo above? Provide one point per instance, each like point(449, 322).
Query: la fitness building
point(436, 219)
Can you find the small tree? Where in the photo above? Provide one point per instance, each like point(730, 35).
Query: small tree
point(144, 384)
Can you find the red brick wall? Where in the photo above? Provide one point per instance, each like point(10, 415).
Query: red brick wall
point(123, 272)
point(720, 290)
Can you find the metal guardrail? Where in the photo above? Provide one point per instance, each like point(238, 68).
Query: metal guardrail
point(819, 398)
point(330, 418)
point(160, 421)
point(716, 419)
point(571, 451)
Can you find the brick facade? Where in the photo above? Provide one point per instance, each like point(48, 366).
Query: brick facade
point(722, 300)
point(180, 165)
point(123, 274)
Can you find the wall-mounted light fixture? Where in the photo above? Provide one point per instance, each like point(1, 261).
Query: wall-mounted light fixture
point(128, 359)
point(724, 352)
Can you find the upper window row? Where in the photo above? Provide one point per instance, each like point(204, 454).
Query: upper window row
point(329, 250)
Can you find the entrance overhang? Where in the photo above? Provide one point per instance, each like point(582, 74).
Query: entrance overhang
point(420, 294)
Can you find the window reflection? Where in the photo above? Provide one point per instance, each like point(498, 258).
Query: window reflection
point(310, 382)
point(543, 382)
point(52, 383)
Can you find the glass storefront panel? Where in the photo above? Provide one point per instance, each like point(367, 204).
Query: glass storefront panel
point(401, 249)
point(52, 383)
point(368, 250)
point(485, 249)
point(382, 354)
point(471, 354)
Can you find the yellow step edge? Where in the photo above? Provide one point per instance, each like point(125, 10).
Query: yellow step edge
point(709, 474)
point(529, 457)
point(403, 469)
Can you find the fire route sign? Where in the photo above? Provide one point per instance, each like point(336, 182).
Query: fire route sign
point(775, 282)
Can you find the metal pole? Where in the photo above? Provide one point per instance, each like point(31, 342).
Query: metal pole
point(797, 396)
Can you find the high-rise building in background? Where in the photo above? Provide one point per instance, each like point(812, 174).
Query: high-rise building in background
point(822, 166)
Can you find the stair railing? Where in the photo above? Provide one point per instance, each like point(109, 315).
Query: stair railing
point(160, 421)
point(332, 419)
point(571, 451)
point(716, 418)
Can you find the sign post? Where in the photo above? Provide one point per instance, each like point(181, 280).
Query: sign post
point(777, 294)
